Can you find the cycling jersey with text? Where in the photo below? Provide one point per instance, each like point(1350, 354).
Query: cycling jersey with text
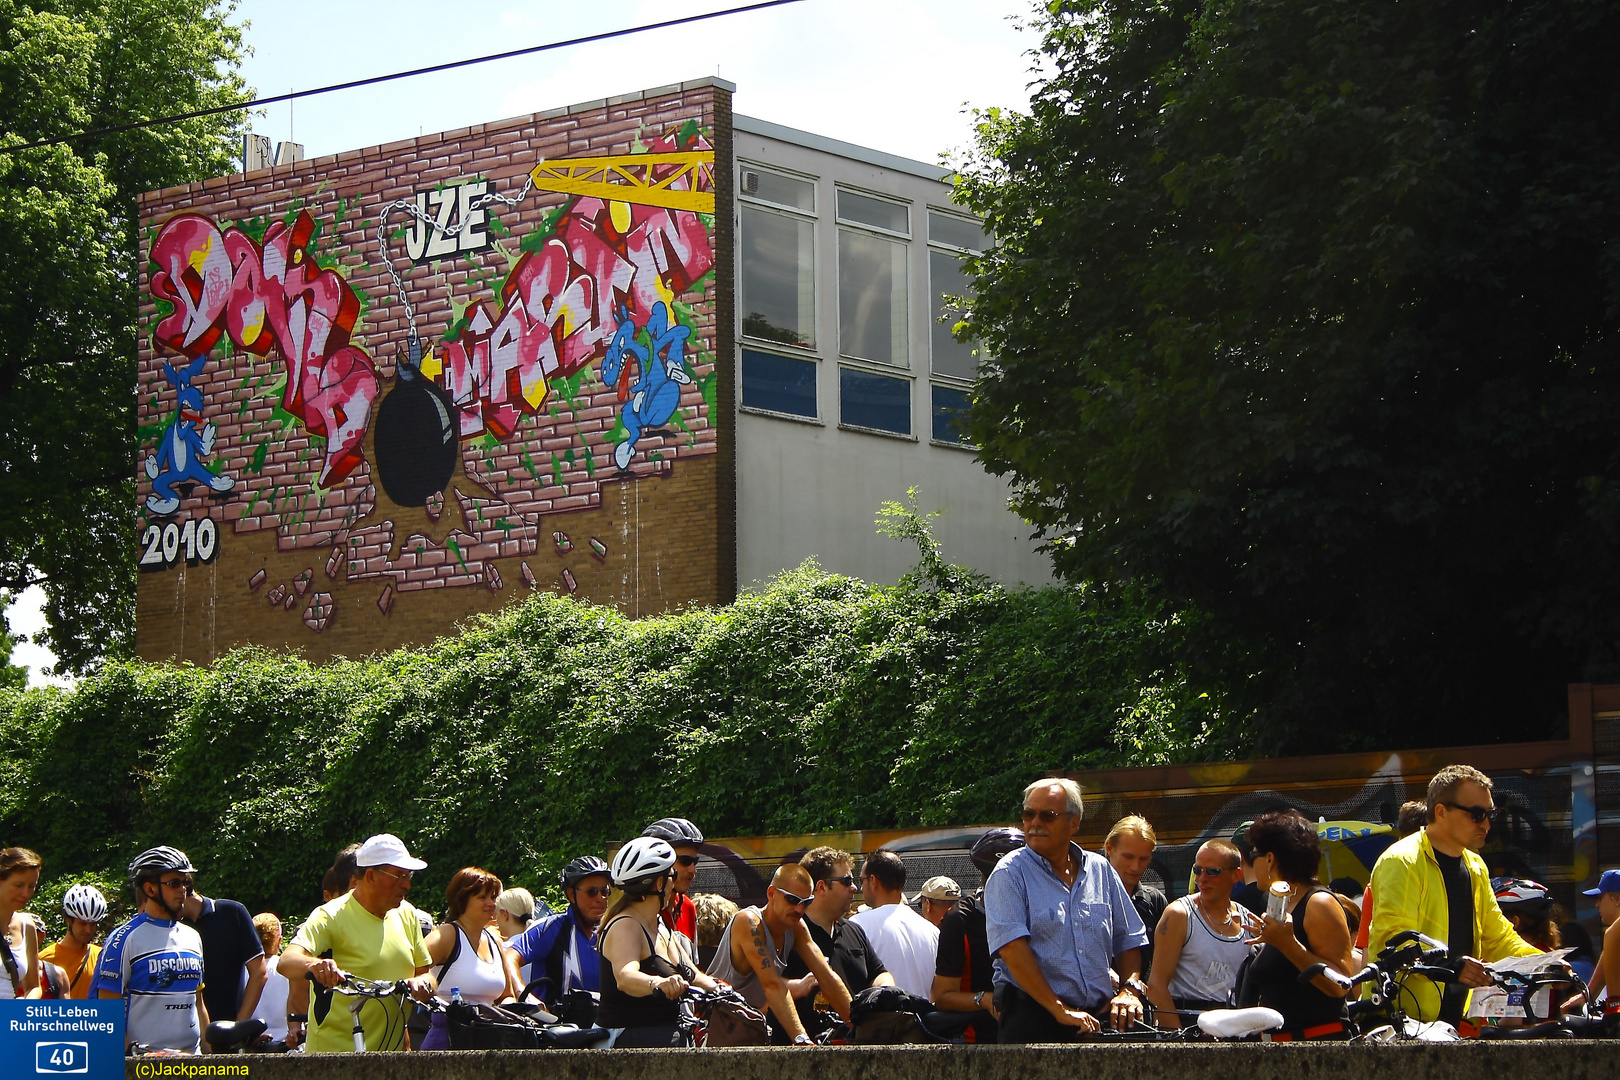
point(156, 967)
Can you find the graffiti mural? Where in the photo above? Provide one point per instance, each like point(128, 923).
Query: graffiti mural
point(342, 369)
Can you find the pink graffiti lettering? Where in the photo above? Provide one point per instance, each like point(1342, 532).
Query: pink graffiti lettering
point(265, 295)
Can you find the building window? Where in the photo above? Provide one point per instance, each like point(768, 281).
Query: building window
point(869, 400)
point(779, 384)
point(958, 237)
point(857, 209)
point(950, 414)
point(873, 280)
point(778, 258)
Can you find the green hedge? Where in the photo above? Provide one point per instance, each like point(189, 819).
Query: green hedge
point(544, 731)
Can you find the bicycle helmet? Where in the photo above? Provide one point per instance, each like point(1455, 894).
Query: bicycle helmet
point(989, 848)
point(85, 902)
point(1520, 894)
point(675, 831)
point(155, 862)
point(581, 868)
point(640, 863)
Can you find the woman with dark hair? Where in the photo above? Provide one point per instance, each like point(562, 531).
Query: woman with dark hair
point(19, 879)
point(1313, 930)
point(466, 954)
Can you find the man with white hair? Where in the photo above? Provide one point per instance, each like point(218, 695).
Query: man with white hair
point(1057, 916)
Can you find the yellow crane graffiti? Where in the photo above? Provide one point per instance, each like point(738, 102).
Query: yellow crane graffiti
point(630, 178)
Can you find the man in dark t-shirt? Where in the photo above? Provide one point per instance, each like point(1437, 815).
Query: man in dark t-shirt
point(233, 957)
point(844, 944)
point(1129, 848)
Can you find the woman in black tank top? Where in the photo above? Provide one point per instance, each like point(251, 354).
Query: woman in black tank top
point(1286, 849)
point(645, 969)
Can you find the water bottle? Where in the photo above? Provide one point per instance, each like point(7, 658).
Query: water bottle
point(455, 996)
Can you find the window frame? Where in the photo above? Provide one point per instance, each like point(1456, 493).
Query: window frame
point(780, 350)
point(884, 371)
point(811, 216)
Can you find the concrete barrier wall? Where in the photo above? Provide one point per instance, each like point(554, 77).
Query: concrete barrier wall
point(1579, 1060)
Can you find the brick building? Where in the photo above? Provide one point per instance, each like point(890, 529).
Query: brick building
point(385, 390)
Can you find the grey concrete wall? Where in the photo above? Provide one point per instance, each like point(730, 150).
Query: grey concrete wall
point(1321, 1061)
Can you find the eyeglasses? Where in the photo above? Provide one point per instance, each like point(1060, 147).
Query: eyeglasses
point(1211, 871)
point(1480, 814)
point(687, 860)
point(847, 881)
point(795, 900)
point(1047, 816)
point(177, 883)
point(597, 891)
point(398, 875)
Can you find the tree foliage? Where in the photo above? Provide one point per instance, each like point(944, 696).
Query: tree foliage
point(1305, 314)
point(68, 253)
point(543, 732)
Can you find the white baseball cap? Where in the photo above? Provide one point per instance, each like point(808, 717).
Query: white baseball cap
point(386, 849)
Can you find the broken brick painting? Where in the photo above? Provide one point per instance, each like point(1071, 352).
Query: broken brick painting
point(375, 391)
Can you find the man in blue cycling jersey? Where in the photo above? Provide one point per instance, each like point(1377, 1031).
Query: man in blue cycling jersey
point(561, 948)
point(154, 961)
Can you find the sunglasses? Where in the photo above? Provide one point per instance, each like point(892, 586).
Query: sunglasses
point(1047, 816)
point(401, 875)
point(687, 860)
point(1480, 814)
point(1211, 871)
point(847, 881)
point(177, 883)
point(795, 900)
point(596, 891)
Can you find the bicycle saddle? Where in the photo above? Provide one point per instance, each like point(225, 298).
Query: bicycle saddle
point(228, 1034)
point(570, 1037)
point(949, 1023)
point(1238, 1023)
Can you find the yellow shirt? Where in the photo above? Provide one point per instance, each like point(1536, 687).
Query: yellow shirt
point(80, 967)
point(372, 948)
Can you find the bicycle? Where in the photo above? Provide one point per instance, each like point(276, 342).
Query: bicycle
point(1382, 1015)
point(364, 990)
point(242, 1037)
point(696, 1008)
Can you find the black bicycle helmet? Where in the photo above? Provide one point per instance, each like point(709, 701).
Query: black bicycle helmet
point(675, 831)
point(989, 848)
point(581, 868)
point(153, 863)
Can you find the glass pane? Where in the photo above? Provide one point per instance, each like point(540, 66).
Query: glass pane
point(783, 384)
point(957, 232)
point(951, 357)
point(874, 401)
point(876, 212)
point(782, 190)
point(872, 316)
point(950, 414)
point(778, 277)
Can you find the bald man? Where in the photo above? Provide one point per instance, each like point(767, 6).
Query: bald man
point(753, 954)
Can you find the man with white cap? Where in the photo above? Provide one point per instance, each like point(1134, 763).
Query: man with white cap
point(939, 896)
point(364, 932)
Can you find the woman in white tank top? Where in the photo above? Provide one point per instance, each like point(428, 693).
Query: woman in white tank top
point(19, 966)
point(1201, 941)
point(465, 950)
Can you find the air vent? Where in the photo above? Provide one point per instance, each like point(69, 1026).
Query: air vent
point(750, 182)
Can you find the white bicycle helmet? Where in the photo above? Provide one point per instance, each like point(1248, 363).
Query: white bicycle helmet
point(85, 902)
point(643, 858)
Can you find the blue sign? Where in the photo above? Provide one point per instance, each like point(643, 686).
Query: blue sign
point(62, 1038)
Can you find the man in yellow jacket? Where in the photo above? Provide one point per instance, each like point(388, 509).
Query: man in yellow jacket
point(1435, 882)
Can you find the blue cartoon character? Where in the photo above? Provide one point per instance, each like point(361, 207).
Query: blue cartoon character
point(652, 400)
point(185, 444)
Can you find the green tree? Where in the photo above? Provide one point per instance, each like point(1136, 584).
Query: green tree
point(1306, 315)
point(68, 280)
point(12, 677)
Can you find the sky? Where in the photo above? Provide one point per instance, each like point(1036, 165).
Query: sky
point(896, 75)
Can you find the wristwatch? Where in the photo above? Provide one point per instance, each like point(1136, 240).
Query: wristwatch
point(298, 1018)
point(803, 1040)
point(978, 1000)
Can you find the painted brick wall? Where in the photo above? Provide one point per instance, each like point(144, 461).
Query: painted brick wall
point(557, 428)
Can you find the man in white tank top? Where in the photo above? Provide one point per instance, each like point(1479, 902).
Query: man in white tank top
point(1201, 940)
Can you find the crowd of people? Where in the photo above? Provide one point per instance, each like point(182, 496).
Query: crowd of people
point(1059, 942)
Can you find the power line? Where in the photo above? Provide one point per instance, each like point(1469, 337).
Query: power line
point(352, 84)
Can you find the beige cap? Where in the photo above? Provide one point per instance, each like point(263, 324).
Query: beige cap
point(941, 888)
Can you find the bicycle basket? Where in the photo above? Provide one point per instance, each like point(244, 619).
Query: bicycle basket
point(475, 1026)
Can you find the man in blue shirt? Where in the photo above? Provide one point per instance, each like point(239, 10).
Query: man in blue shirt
point(1056, 917)
point(562, 947)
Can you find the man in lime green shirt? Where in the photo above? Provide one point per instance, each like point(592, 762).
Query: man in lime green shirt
point(365, 933)
point(1435, 882)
